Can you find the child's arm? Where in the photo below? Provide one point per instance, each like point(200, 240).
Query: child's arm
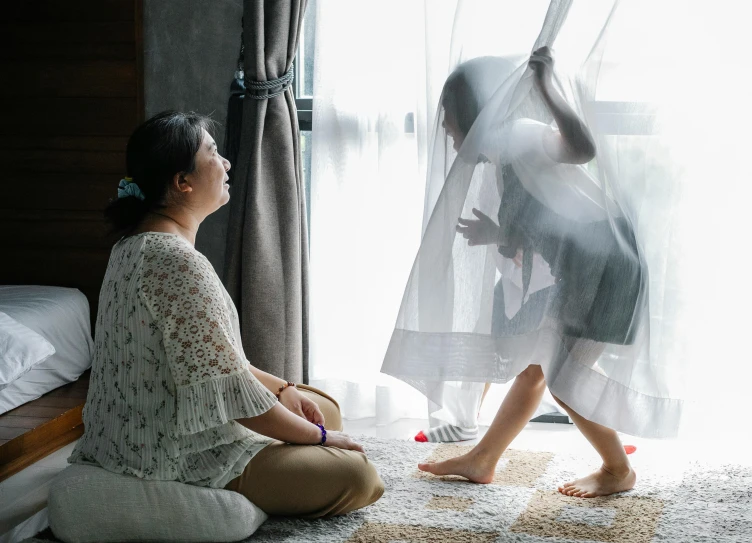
point(573, 144)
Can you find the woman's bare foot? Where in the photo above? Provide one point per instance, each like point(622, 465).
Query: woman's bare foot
point(470, 466)
point(600, 483)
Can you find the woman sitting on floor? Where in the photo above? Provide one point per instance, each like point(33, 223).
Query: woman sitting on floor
point(172, 395)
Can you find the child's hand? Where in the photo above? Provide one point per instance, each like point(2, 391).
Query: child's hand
point(518, 258)
point(479, 232)
point(542, 63)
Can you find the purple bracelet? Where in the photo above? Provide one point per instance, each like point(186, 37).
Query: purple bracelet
point(323, 434)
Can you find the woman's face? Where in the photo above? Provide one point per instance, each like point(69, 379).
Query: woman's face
point(208, 181)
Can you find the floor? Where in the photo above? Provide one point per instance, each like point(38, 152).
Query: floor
point(24, 495)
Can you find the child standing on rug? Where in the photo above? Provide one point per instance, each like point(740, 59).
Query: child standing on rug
point(553, 215)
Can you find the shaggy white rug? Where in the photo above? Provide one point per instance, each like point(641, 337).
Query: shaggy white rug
point(675, 501)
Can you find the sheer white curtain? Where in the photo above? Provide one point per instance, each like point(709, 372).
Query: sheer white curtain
point(379, 71)
point(678, 63)
point(675, 61)
point(380, 68)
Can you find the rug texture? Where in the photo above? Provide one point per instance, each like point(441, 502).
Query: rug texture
point(674, 502)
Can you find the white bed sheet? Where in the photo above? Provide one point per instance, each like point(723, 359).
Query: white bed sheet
point(61, 316)
point(27, 528)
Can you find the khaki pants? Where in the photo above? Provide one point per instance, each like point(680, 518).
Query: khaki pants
point(310, 481)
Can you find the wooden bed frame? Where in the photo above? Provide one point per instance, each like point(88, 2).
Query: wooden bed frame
point(36, 429)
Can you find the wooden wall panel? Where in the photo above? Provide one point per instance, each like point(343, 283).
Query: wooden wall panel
point(60, 11)
point(63, 160)
point(81, 143)
point(71, 228)
point(72, 92)
point(63, 51)
point(96, 78)
point(18, 34)
point(57, 191)
point(56, 116)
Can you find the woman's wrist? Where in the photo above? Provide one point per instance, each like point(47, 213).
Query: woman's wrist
point(315, 435)
point(282, 387)
point(323, 433)
point(271, 382)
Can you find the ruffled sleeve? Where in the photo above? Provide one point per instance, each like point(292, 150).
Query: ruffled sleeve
point(185, 297)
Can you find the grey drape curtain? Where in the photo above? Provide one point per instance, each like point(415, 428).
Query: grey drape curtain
point(266, 265)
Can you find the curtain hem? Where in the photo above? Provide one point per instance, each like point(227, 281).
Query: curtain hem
point(426, 360)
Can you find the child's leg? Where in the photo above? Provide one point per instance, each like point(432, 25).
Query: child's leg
point(616, 474)
point(515, 412)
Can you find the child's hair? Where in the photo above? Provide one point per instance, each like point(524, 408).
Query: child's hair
point(158, 149)
point(470, 86)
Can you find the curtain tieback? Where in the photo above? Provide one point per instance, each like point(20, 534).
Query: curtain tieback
point(263, 90)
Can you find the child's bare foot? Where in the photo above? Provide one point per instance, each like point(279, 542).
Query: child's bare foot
point(470, 466)
point(600, 483)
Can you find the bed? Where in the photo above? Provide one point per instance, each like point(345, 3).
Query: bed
point(41, 409)
point(61, 316)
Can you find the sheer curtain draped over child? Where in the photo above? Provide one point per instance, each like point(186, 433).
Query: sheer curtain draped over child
point(541, 255)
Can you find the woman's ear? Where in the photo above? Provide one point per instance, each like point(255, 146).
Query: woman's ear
point(180, 183)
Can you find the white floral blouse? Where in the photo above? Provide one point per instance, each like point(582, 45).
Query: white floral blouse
point(169, 374)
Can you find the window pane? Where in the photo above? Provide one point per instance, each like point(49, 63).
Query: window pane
point(306, 52)
point(305, 150)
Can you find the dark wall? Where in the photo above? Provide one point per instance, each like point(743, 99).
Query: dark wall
point(71, 93)
point(190, 55)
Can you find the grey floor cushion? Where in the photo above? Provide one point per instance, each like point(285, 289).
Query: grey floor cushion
point(89, 504)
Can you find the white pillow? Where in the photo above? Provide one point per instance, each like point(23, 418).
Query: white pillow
point(90, 504)
point(20, 349)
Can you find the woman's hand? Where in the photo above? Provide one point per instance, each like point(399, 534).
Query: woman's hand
point(282, 424)
point(542, 63)
point(301, 405)
point(482, 231)
point(342, 441)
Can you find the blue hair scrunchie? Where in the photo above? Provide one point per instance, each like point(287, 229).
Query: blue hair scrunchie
point(129, 188)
